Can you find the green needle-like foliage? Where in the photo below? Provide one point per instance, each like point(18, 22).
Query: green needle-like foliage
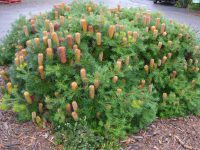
point(97, 74)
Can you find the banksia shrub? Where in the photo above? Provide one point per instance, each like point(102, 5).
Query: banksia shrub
point(93, 71)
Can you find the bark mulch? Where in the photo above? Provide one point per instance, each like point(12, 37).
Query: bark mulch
point(167, 134)
point(163, 134)
point(22, 136)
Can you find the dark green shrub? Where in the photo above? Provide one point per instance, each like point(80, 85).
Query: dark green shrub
point(148, 66)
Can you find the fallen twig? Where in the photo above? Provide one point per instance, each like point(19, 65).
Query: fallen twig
point(183, 144)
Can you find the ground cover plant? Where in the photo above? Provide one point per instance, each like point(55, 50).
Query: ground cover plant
point(96, 74)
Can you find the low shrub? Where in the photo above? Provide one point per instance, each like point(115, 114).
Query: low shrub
point(97, 74)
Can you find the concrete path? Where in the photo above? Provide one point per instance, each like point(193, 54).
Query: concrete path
point(9, 13)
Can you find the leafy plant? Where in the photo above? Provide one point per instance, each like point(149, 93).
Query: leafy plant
point(97, 74)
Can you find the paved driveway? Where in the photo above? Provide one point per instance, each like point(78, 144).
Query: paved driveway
point(9, 13)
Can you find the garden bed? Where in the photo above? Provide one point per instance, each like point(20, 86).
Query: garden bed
point(109, 75)
point(165, 134)
point(15, 135)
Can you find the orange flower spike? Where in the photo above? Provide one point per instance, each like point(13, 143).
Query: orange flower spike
point(26, 31)
point(68, 8)
point(159, 45)
point(115, 79)
point(40, 59)
point(159, 62)
point(45, 40)
point(75, 47)
point(90, 29)
point(24, 52)
point(32, 22)
point(135, 35)
point(55, 38)
point(163, 26)
point(74, 86)
point(69, 41)
point(169, 44)
point(41, 71)
point(174, 73)
point(119, 90)
point(155, 33)
point(77, 55)
point(9, 87)
point(125, 40)
point(127, 61)
point(196, 61)
point(164, 59)
point(98, 37)
point(27, 97)
point(78, 38)
point(147, 29)
point(21, 59)
point(153, 28)
point(169, 55)
point(47, 24)
point(45, 33)
point(164, 34)
point(89, 9)
point(157, 22)
point(28, 43)
point(75, 116)
point(96, 83)
point(111, 31)
point(83, 74)
point(40, 107)
point(62, 54)
point(143, 83)
point(62, 20)
point(152, 63)
point(91, 91)
point(144, 20)
point(146, 68)
point(51, 27)
point(84, 25)
point(56, 15)
point(33, 29)
point(130, 33)
point(119, 64)
point(74, 105)
point(17, 62)
point(49, 43)
point(164, 96)
point(101, 56)
point(34, 117)
point(68, 108)
point(180, 35)
point(37, 41)
point(148, 19)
